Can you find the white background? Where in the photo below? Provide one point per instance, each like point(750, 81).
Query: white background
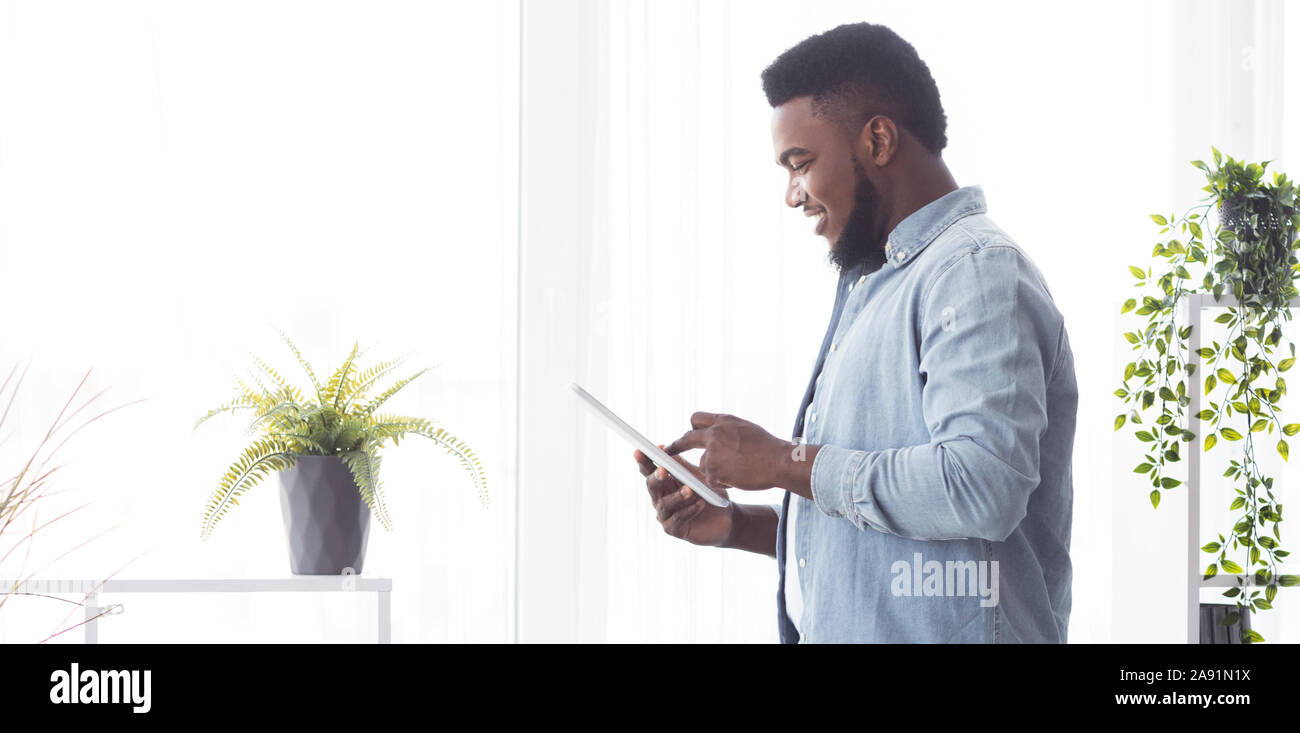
point(176, 179)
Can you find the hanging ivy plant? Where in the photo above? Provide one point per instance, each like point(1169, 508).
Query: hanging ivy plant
point(1248, 250)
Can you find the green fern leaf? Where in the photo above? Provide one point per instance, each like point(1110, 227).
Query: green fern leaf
point(372, 375)
point(338, 385)
point(381, 399)
point(287, 390)
point(364, 465)
point(239, 403)
point(384, 427)
point(462, 452)
point(261, 397)
point(300, 443)
point(259, 459)
point(315, 383)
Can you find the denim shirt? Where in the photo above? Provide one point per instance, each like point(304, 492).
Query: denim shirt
point(944, 400)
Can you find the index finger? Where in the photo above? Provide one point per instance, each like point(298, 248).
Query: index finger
point(691, 440)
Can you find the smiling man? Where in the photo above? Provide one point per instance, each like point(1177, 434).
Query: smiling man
point(928, 486)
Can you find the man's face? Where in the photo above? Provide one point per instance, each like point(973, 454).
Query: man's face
point(827, 180)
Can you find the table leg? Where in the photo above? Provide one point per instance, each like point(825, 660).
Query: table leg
point(385, 616)
point(91, 625)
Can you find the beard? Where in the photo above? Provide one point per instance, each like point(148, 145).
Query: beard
point(859, 239)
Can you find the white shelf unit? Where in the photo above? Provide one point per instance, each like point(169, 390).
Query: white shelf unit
point(92, 589)
point(1194, 304)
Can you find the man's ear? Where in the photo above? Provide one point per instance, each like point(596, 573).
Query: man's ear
point(878, 141)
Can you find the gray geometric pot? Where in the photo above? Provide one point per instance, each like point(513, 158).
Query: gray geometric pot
point(325, 520)
point(1212, 629)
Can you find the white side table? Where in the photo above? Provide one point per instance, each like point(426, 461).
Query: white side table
point(92, 589)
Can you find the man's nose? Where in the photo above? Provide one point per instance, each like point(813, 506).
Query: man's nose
point(794, 195)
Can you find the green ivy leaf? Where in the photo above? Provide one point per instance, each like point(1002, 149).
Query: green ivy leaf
point(1137, 272)
point(1129, 305)
point(1211, 547)
point(1230, 566)
point(1155, 499)
point(1230, 434)
point(1119, 422)
point(1210, 441)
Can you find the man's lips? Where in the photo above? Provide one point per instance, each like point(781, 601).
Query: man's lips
point(821, 219)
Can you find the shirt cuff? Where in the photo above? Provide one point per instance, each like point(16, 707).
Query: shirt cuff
point(833, 470)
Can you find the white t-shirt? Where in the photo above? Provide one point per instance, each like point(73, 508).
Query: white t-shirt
point(793, 594)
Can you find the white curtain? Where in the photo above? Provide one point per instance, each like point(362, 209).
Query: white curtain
point(176, 178)
point(717, 300)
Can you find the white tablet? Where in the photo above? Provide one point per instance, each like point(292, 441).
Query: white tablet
point(651, 450)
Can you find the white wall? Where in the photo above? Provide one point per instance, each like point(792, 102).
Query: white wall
point(177, 176)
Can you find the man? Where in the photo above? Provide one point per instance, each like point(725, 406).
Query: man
point(928, 487)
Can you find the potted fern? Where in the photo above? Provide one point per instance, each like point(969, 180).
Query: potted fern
point(327, 451)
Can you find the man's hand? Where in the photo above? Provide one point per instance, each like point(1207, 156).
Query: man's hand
point(740, 454)
point(681, 512)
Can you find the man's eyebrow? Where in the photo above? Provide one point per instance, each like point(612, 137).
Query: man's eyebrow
point(784, 161)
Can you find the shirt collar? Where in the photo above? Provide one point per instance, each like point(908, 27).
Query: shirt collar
point(923, 226)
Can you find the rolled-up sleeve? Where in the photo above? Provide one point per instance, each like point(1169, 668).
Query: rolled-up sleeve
point(988, 337)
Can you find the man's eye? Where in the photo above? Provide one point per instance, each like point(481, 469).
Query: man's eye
point(801, 166)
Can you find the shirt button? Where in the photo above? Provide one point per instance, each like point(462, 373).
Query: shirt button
point(814, 417)
point(861, 280)
point(803, 638)
point(803, 562)
point(833, 345)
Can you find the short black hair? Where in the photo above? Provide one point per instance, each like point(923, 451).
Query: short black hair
point(855, 71)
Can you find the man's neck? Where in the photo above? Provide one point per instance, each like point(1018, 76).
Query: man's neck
point(931, 182)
